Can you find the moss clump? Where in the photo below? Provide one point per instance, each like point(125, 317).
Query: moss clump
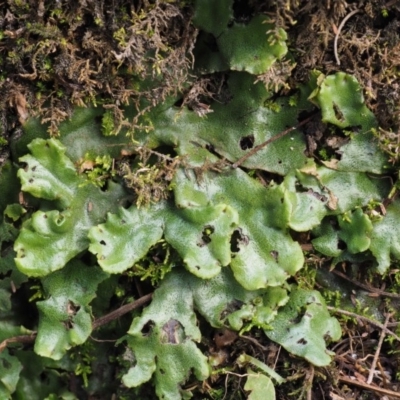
point(61, 54)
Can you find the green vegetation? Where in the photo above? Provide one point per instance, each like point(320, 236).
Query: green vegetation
point(178, 215)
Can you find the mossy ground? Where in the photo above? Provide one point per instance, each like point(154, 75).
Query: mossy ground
point(58, 55)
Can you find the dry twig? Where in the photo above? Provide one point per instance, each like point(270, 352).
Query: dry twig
point(373, 388)
point(368, 320)
point(345, 19)
point(254, 150)
point(368, 288)
point(119, 312)
point(378, 350)
point(18, 339)
point(105, 319)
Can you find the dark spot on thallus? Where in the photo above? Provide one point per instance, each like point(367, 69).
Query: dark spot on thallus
point(30, 180)
point(302, 341)
point(274, 254)
point(102, 242)
point(206, 234)
point(235, 240)
point(246, 142)
point(148, 328)
point(338, 113)
point(295, 320)
point(313, 300)
point(238, 239)
point(68, 325)
point(43, 377)
point(179, 103)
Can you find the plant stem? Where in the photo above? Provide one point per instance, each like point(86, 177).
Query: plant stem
point(119, 312)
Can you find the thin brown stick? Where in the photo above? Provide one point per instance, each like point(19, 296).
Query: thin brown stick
point(378, 351)
point(368, 320)
point(277, 357)
point(369, 387)
point(310, 380)
point(383, 375)
point(18, 339)
point(105, 319)
point(270, 140)
point(254, 341)
point(368, 288)
point(119, 312)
